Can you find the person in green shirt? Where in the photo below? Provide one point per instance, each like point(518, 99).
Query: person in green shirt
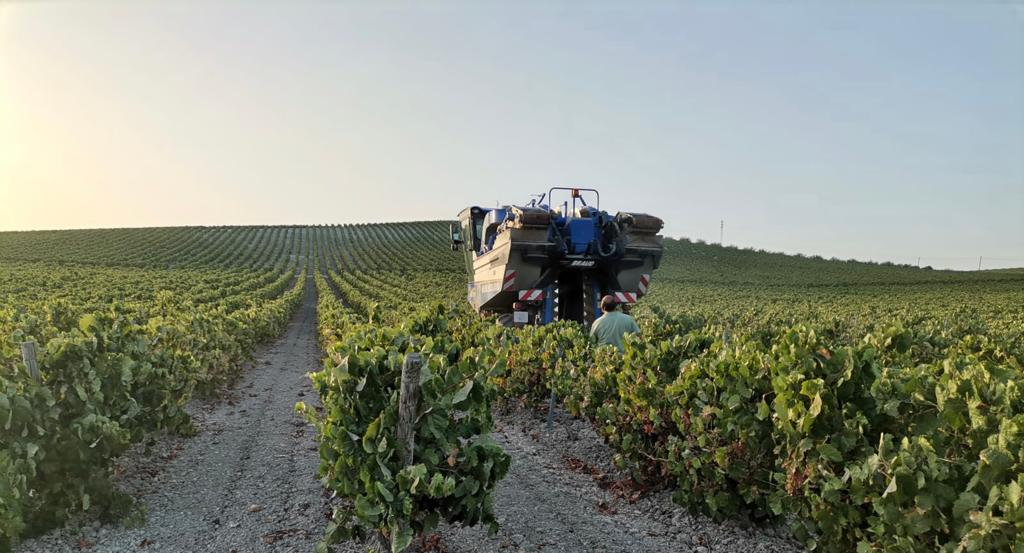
point(610, 327)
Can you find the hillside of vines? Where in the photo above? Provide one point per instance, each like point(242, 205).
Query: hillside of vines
point(865, 407)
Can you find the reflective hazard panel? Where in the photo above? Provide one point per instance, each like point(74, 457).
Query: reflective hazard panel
point(533, 294)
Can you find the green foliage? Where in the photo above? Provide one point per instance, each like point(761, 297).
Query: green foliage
point(114, 373)
point(871, 407)
point(455, 465)
point(906, 440)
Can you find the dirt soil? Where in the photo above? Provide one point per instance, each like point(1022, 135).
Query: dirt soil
point(247, 482)
point(563, 494)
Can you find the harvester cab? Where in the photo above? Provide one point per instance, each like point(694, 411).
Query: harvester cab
point(543, 262)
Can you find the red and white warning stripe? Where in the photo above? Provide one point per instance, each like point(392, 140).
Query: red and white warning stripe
point(625, 297)
point(533, 294)
point(645, 281)
point(509, 282)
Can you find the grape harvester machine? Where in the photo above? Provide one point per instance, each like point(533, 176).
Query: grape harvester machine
point(543, 262)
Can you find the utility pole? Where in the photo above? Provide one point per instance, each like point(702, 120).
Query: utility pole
point(721, 233)
point(979, 262)
point(919, 262)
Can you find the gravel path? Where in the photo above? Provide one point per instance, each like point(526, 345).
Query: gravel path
point(247, 482)
point(561, 495)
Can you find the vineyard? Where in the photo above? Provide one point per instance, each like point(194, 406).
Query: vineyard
point(859, 406)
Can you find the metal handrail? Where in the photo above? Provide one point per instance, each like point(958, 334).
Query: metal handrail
point(574, 194)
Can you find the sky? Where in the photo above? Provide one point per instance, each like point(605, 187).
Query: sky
point(876, 131)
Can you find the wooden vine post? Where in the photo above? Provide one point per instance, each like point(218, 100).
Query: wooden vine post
point(28, 355)
point(408, 402)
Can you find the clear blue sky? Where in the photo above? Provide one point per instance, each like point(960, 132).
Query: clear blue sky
point(875, 131)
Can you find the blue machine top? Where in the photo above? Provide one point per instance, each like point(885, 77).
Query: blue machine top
point(581, 234)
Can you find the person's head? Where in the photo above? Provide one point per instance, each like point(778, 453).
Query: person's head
point(609, 304)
